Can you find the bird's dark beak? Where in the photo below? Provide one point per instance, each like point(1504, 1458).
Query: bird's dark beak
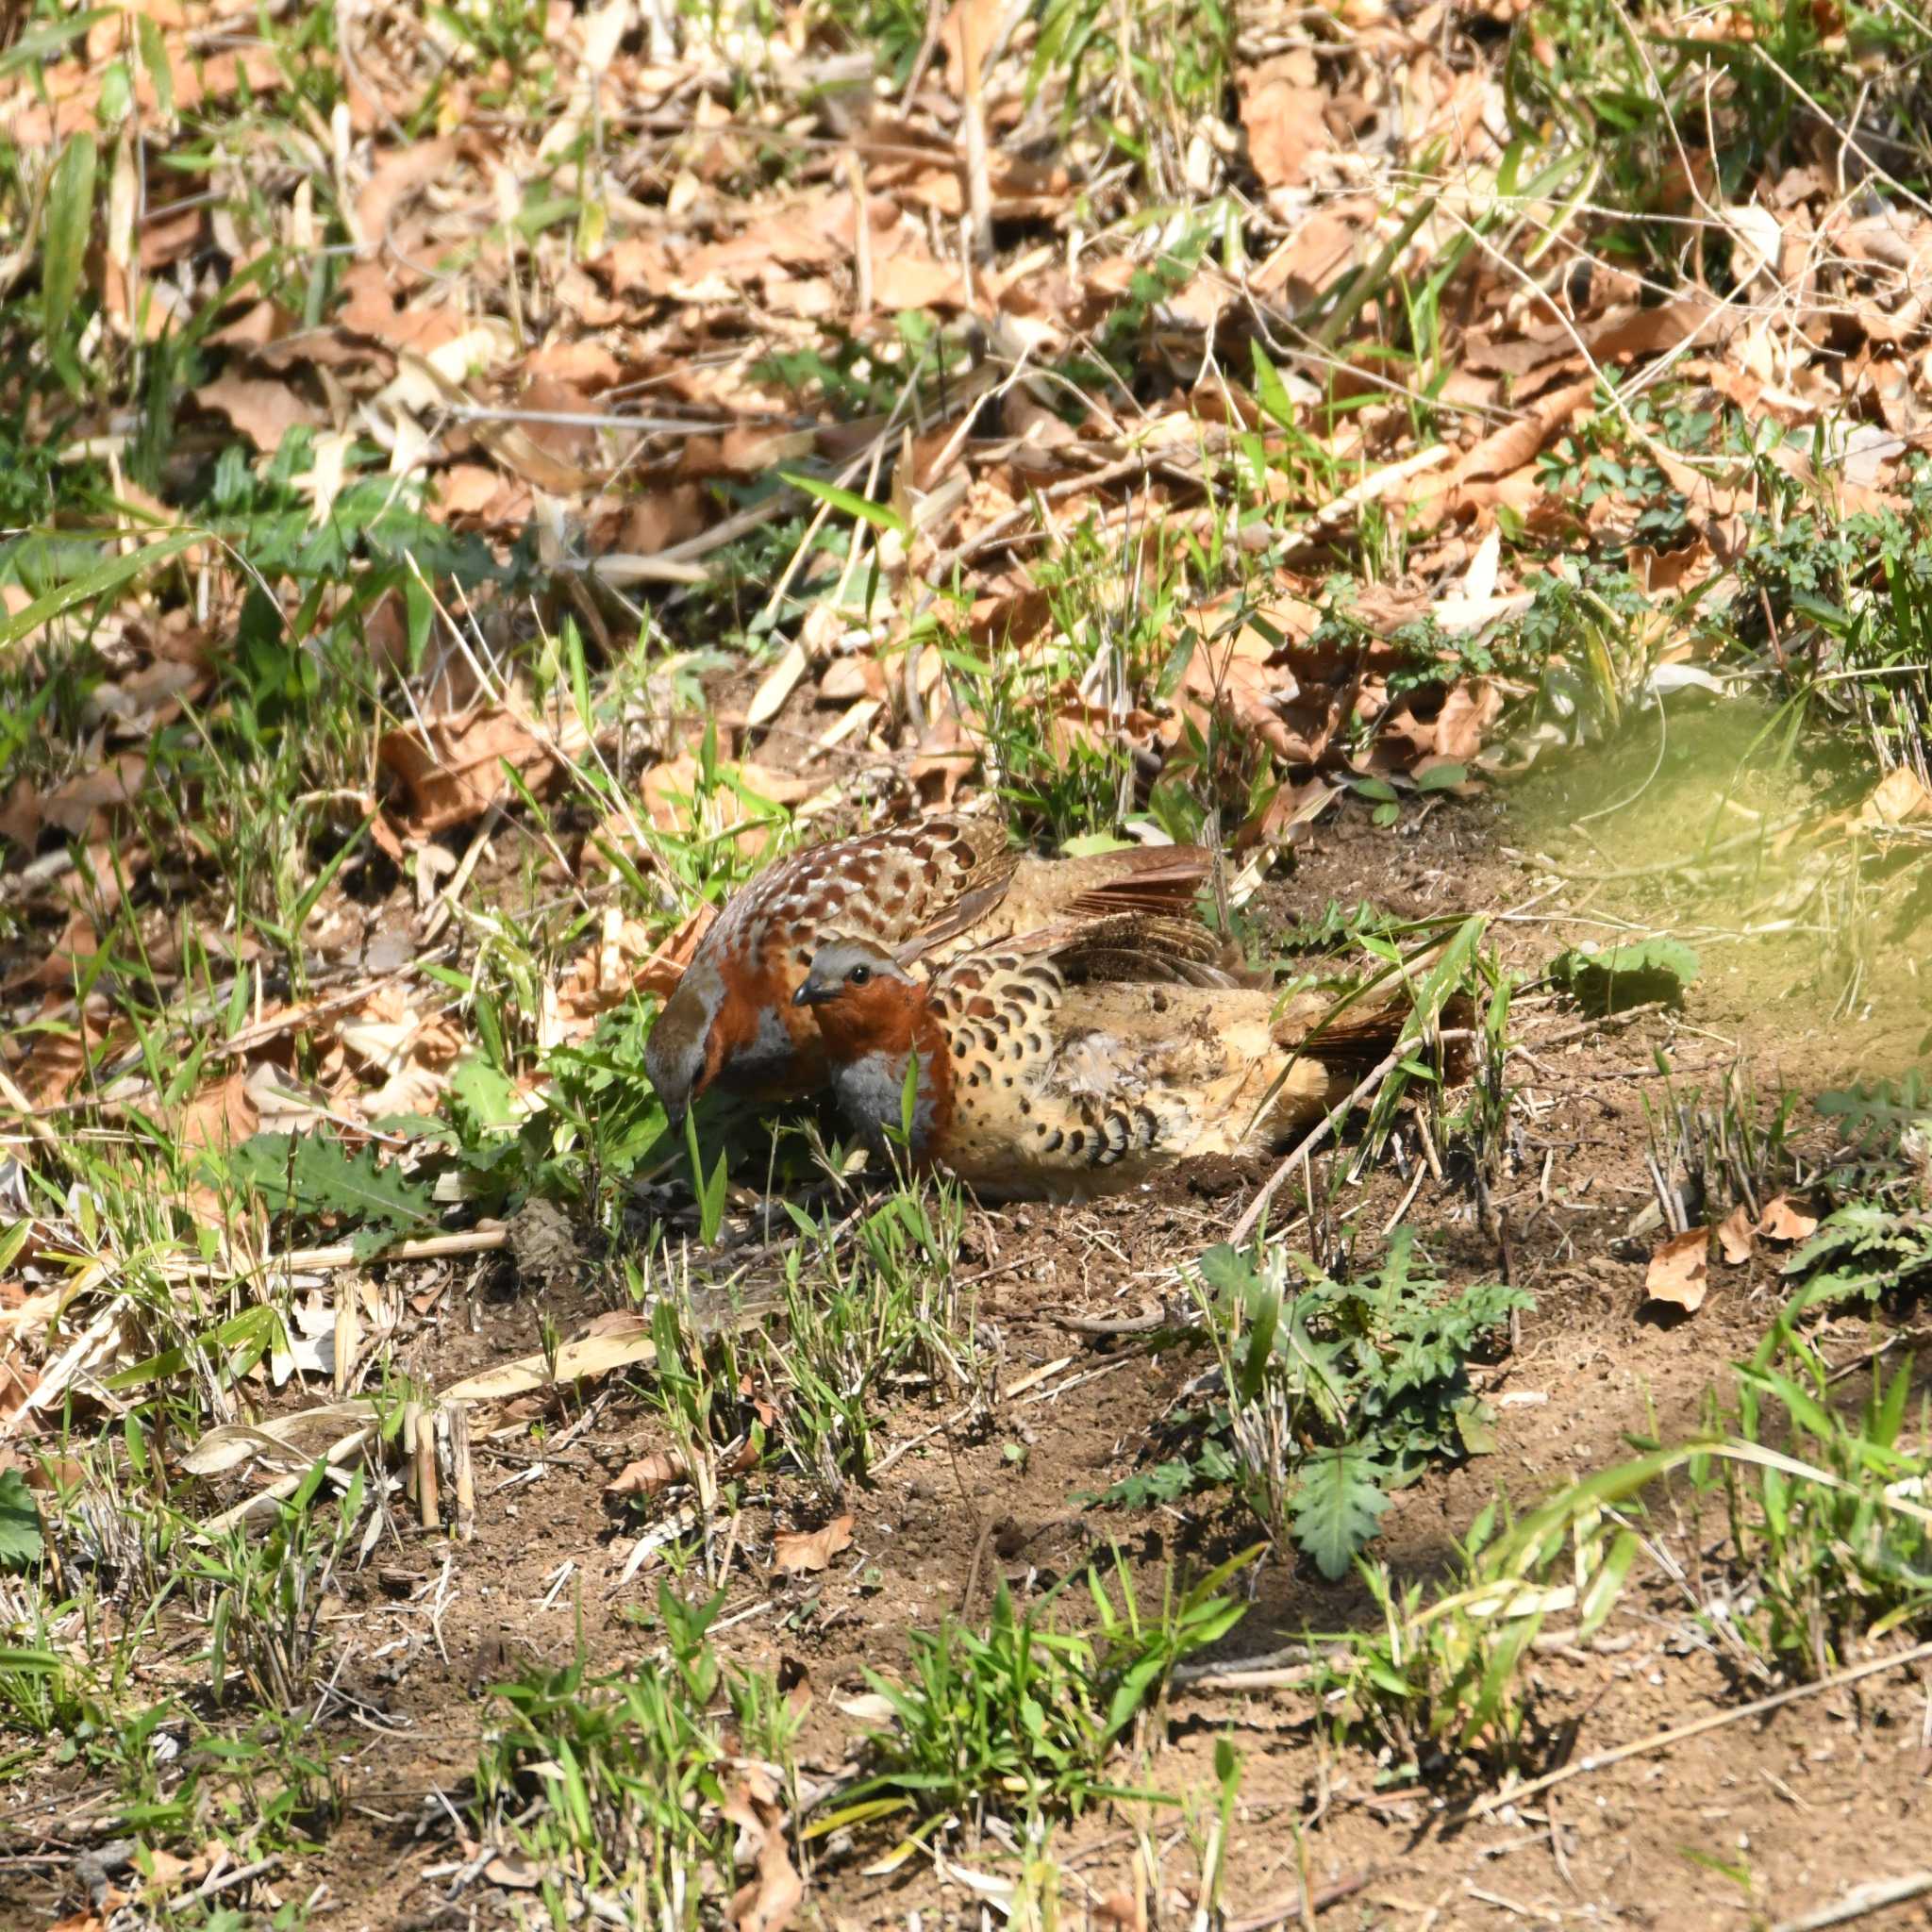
point(814, 992)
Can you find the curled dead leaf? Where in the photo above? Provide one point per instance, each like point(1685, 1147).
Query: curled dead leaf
point(1509, 448)
point(1734, 1236)
point(1899, 796)
point(811, 1549)
point(768, 1900)
point(453, 766)
point(1782, 1221)
point(649, 1475)
point(1680, 1271)
point(220, 1116)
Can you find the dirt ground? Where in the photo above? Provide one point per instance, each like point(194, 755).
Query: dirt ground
point(1767, 1817)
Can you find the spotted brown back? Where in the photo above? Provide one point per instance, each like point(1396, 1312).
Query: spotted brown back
point(885, 886)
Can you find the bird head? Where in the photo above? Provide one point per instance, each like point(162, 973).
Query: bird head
point(861, 995)
point(686, 1046)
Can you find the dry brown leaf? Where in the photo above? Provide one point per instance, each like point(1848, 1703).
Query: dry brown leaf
point(1661, 330)
point(264, 410)
point(1517, 443)
point(390, 1031)
point(466, 490)
point(605, 974)
point(661, 972)
point(220, 1116)
point(600, 1354)
point(54, 970)
point(17, 1380)
point(1669, 573)
point(587, 363)
point(776, 686)
point(668, 790)
point(964, 36)
point(81, 806)
point(1320, 249)
point(338, 1429)
point(517, 1871)
point(845, 680)
point(649, 1475)
point(767, 1901)
point(811, 1549)
point(908, 281)
point(168, 1874)
point(660, 518)
point(1898, 797)
point(458, 774)
point(1679, 1272)
point(20, 812)
point(1284, 114)
point(1462, 725)
point(1782, 1221)
point(403, 171)
point(1734, 1236)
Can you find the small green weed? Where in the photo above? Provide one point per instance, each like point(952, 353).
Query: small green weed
point(1333, 1394)
point(611, 1784)
point(1142, 75)
point(1607, 979)
point(1026, 1710)
point(853, 1325)
point(1830, 1545)
point(266, 1599)
point(1829, 1542)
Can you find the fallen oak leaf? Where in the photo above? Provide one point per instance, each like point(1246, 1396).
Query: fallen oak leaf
point(811, 1549)
point(649, 1475)
point(517, 1871)
point(1900, 796)
point(221, 1115)
point(1680, 1271)
point(1781, 1222)
point(453, 766)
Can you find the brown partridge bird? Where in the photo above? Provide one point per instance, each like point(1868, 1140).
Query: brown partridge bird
point(1045, 1070)
point(947, 883)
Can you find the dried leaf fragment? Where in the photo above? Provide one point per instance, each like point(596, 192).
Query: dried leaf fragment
point(1679, 1272)
point(1733, 1235)
point(649, 1475)
point(767, 1901)
point(811, 1549)
point(1898, 797)
point(454, 769)
point(1781, 1222)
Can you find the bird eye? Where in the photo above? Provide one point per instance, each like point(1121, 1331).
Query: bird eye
point(859, 975)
